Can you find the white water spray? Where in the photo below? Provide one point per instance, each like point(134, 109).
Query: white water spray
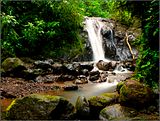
point(94, 27)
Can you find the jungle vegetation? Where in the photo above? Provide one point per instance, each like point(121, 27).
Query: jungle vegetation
point(51, 28)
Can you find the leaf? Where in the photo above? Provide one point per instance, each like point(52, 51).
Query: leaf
point(148, 63)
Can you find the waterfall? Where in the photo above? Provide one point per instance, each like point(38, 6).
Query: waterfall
point(105, 42)
point(94, 27)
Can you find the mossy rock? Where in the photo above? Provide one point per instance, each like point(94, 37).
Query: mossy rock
point(119, 85)
point(118, 112)
point(135, 94)
point(40, 107)
point(114, 96)
point(97, 103)
point(82, 108)
point(11, 64)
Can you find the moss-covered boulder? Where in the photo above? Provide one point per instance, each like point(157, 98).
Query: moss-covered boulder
point(97, 103)
point(119, 85)
point(13, 66)
point(113, 95)
point(82, 108)
point(117, 112)
point(40, 107)
point(135, 94)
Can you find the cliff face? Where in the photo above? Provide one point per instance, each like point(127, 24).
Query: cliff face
point(113, 36)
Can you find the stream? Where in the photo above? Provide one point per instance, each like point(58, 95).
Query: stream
point(92, 89)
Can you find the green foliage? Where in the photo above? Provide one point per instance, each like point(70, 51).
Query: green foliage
point(8, 31)
point(106, 9)
point(30, 26)
point(147, 68)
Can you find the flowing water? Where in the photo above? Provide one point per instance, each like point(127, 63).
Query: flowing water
point(94, 27)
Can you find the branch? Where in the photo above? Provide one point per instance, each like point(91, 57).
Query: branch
point(129, 46)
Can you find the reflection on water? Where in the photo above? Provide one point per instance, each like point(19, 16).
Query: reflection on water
point(88, 90)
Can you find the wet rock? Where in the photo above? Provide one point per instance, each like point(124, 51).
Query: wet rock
point(64, 78)
point(47, 78)
point(45, 65)
point(106, 66)
point(97, 103)
point(88, 66)
point(40, 107)
point(58, 68)
point(70, 87)
point(94, 75)
point(82, 108)
point(82, 79)
point(13, 67)
point(72, 69)
point(134, 94)
point(31, 74)
point(78, 81)
point(101, 65)
point(85, 72)
point(117, 111)
point(103, 76)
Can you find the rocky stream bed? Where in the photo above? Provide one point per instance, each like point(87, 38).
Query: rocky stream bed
point(87, 92)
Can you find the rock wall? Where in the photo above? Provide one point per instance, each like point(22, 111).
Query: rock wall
point(114, 41)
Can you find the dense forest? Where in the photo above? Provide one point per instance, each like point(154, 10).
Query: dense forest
point(52, 29)
point(49, 70)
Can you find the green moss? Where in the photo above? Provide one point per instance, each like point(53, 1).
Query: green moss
point(119, 85)
point(111, 95)
point(100, 101)
point(11, 63)
point(44, 97)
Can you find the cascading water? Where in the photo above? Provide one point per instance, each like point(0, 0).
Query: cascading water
point(105, 44)
point(94, 27)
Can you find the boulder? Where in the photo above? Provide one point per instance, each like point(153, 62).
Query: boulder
point(107, 66)
point(47, 78)
point(103, 76)
point(82, 79)
point(72, 69)
point(82, 108)
point(58, 68)
point(66, 77)
point(40, 107)
point(94, 75)
point(45, 65)
point(31, 74)
point(113, 95)
point(97, 103)
point(134, 94)
point(117, 112)
point(79, 68)
point(13, 66)
point(70, 87)
point(88, 66)
point(85, 72)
